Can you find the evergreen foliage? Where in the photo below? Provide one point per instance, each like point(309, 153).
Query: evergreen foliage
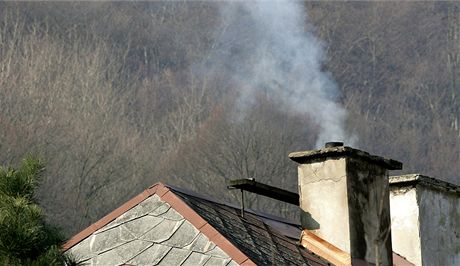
point(25, 237)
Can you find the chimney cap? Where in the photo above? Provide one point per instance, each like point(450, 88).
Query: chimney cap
point(413, 179)
point(333, 144)
point(343, 151)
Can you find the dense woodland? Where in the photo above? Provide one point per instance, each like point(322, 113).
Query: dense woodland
point(118, 96)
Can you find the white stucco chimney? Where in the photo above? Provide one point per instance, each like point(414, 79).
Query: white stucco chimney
point(425, 220)
point(344, 199)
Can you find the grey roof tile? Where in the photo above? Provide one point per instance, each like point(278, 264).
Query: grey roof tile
point(215, 261)
point(217, 252)
point(172, 214)
point(183, 236)
point(122, 253)
point(147, 206)
point(196, 259)
point(142, 225)
point(110, 239)
point(132, 249)
point(82, 251)
point(162, 232)
point(108, 258)
point(160, 210)
point(201, 244)
point(150, 256)
point(175, 257)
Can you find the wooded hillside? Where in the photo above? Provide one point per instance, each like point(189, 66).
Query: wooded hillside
point(118, 96)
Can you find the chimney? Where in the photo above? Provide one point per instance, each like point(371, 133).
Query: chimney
point(425, 219)
point(344, 199)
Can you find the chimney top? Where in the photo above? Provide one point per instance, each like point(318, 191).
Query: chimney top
point(333, 144)
point(341, 151)
point(402, 181)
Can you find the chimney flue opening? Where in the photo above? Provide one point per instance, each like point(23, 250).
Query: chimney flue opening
point(333, 144)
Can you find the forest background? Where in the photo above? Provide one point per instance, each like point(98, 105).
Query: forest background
point(118, 96)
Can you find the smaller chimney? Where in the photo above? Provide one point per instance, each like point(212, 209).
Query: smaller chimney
point(344, 199)
point(425, 220)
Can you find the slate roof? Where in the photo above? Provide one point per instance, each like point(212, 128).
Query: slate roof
point(265, 239)
point(151, 233)
point(252, 239)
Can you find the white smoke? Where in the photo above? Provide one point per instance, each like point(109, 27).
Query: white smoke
point(268, 47)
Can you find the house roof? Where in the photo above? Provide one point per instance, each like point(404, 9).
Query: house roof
point(252, 239)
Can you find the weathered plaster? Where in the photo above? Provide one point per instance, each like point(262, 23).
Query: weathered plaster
point(325, 181)
point(405, 225)
point(345, 200)
point(425, 220)
point(152, 233)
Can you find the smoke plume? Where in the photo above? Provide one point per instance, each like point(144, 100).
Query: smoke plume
point(268, 46)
